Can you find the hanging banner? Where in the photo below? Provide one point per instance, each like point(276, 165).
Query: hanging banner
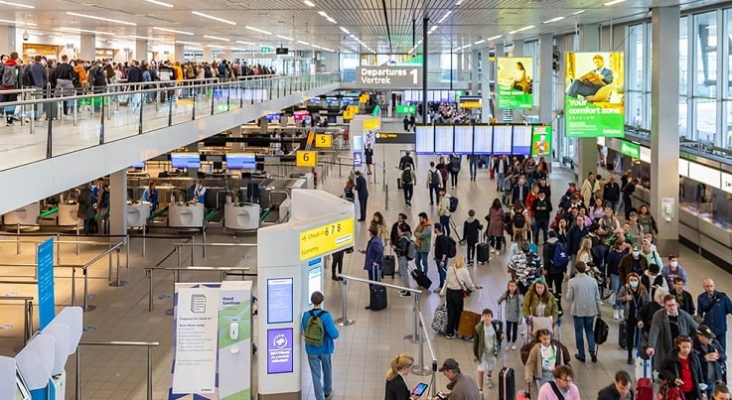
point(593, 102)
point(541, 140)
point(515, 78)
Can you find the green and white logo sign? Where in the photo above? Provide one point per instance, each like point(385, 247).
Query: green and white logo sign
point(630, 149)
point(515, 80)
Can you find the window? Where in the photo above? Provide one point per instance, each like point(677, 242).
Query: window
point(683, 55)
point(705, 56)
point(705, 119)
point(638, 104)
point(636, 57)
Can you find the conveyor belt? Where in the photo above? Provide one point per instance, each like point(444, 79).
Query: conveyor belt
point(49, 213)
point(158, 213)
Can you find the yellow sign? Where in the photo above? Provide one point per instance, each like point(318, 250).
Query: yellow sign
point(364, 98)
point(323, 140)
point(348, 115)
point(305, 158)
point(326, 239)
point(471, 104)
point(311, 137)
point(371, 124)
point(352, 109)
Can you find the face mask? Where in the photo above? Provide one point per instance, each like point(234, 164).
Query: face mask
point(634, 284)
point(674, 264)
point(636, 254)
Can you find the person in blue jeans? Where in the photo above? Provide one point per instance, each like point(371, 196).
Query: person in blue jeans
point(374, 252)
point(321, 369)
point(584, 297)
point(473, 162)
point(441, 256)
point(423, 238)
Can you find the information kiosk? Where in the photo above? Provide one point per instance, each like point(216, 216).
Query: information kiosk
point(290, 268)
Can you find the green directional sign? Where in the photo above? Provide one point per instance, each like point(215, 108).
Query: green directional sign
point(406, 109)
point(376, 111)
point(630, 149)
point(266, 50)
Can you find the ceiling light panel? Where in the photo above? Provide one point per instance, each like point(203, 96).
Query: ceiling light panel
point(200, 14)
point(14, 4)
point(184, 42)
point(116, 21)
point(246, 43)
point(309, 3)
point(217, 38)
point(160, 3)
point(289, 39)
point(557, 19)
point(344, 30)
point(258, 30)
point(173, 31)
point(77, 30)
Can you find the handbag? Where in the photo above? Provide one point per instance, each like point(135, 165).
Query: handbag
point(466, 292)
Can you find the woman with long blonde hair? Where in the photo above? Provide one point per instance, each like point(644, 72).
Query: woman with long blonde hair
point(584, 254)
point(396, 383)
point(458, 285)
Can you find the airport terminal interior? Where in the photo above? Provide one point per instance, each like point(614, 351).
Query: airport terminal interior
point(176, 178)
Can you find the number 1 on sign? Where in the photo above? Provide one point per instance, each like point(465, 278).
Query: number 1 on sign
point(414, 76)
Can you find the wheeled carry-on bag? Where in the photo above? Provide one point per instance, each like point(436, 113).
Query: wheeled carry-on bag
point(482, 252)
point(507, 384)
point(377, 298)
point(389, 266)
point(623, 334)
point(466, 326)
point(420, 277)
point(439, 320)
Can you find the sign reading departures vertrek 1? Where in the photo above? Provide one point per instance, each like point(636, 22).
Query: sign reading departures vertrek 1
point(400, 77)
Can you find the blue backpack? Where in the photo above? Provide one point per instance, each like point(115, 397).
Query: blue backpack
point(560, 259)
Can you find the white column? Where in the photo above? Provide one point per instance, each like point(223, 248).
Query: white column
point(140, 50)
point(664, 117)
point(87, 46)
point(587, 147)
point(207, 54)
point(485, 86)
point(474, 56)
point(546, 57)
point(9, 41)
point(180, 52)
point(118, 203)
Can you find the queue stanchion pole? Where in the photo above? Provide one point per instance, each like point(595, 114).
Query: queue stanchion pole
point(148, 274)
point(73, 286)
point(415, 336)
point(17, 241)
point(420, 368)
point(58, 249)
point(344, 321)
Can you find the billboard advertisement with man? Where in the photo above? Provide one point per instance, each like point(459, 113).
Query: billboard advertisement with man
point(594, 99)
point(515, 79)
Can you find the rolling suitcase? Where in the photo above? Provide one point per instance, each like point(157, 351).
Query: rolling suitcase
point(466, 326)
point(623, 334)
point(389, 266)
point(506, 384)
point(439, 320)
point(482, 252)
point(377, 298)
point(421, 279)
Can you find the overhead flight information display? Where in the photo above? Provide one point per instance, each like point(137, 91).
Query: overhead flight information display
point(502, 139)
point(425, 139)
point(483, 139)
point(444, 139)
point(522, 139)
point(463, 139)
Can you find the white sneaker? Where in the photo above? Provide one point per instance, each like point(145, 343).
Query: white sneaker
point(615, 314)
point(513, 347)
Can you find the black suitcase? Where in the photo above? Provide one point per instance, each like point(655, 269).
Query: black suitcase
point(421, 279)
point(506, 384)
point(389, 266)
point(378, 298)
point(482, 253)
point(623, 334)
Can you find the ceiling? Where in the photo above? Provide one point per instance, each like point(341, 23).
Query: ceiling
point(354, 25)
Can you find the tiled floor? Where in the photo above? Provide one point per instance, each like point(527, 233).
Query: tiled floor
point(364, 350)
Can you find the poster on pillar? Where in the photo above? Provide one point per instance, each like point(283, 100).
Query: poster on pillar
point(594, 99)
point(515, 79)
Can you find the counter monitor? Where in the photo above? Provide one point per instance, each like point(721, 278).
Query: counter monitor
point(237, 161)
point(140, 165)
point(185, 160)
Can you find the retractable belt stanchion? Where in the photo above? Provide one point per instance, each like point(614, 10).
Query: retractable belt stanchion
point(344, 321)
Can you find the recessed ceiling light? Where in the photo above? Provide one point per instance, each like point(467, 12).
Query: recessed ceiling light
point(316, 46)
point(7, 21)
point(479, 42)
point(146, 38)
point(173, 31)
point(200, 14)
point(578, 12)
point(305, 43)
point(246, 43)
point(191, 43)
point(614, 2)
point(217, 38)
point(215, 46)
point(494, 37)
point(444, 17)
point(322, 14)
point(258, 30)
point(553, 20)
point(116, 21)
point(459, 2)
point(309, 3)
point(77, 30)
point(10, 3)
point(331, 20)
point(346, 31)
point(289, 39)
point(160, 3)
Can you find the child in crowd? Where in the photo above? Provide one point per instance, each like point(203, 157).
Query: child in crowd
point(514, 304)
point(486, 345)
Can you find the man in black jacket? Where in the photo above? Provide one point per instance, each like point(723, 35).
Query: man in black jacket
point(63, 79)
point(619, 390)
point(711, 356)
point(627, 197)
point(554, 273)
point(394, 236)
point(542, 208)
point(363, 195)
point(611, 194)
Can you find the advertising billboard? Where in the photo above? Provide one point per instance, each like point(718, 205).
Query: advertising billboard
point(515, 78)
point(593, 101)
point(541, 140)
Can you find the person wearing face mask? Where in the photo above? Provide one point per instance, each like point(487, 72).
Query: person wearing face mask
point(683, 370)
point(665, 326)
point(633, 296)
point(633, 262)
point(653, 280)
point(673, 270)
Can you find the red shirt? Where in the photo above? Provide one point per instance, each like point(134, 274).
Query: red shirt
point(685, 375)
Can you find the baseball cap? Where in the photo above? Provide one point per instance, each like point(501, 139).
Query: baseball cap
point(705, 331)
point(449, 364)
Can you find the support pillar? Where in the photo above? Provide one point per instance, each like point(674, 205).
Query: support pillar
point(425, 74)
point(545, 73)
point(118, 203)
point(9, 41)
point(474, 57)
point(87, 47)
point(518, 49)
point(179, 52)
point(465, 75)
point(140, 50)
point(207, 57)
point(664, 117)
point(499, 52)
point(587, 154)
point(485, 91)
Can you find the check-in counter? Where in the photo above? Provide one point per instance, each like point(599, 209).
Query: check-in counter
point(24, 216)
point(67, 215)
point(137, 214)
point(185, 215)
point(241, 218)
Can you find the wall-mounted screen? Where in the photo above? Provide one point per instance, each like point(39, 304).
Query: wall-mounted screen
point(704, 174)
point(237, 161)
point(522, 139)
point(300, 115)
point(139, 165)
point(185, 160)
point(425, 139)
point(443, 139)
point(331, 100)
point(279, 301)
point(483, 139)
point(273, 117)
point(645, 154)
point(502, 139)
point(463, 139)
point(315, 277)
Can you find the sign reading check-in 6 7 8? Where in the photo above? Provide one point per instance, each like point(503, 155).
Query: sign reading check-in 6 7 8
point(397, 77)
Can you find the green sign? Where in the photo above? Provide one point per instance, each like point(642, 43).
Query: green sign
point(407, 109)
point(266, 50)
point(514, 90)
point(376, 111)
point(630, 149)
point(593, 102)
point(541, 140)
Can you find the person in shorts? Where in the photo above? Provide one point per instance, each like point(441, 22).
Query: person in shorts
point(486, 346)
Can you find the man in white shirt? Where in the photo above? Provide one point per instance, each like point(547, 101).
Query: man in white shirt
point(562, 387)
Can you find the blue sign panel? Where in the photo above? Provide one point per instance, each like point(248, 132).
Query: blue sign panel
point(46, 298)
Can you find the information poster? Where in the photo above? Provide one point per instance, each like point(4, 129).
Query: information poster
point(522, 140)
point(483, 139)
point(235, 344)
point(279, 351)
point(443, 139)
point(46, 296)
point(196, 347)
point(279, 301)
point(541, 140)
point(594, 102)
point(502, 139)
point(515, 81)
point(425, 139)
point(463, 139)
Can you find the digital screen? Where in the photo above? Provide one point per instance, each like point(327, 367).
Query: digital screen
point(522, 140)
point(279, 301)
point(541, 140)
point(300, 115)
point(139, 165)
point(463, 139)
point(349, 100)
point(185, 160)
point(358, 143)
point(315, 277)
point(443, 139)
point(272, 117)
point(315, 100)
point(502, 139)
point(236, 161)
point(331, 100)
point(425, 139)
point(279, 351)
point(483, 139)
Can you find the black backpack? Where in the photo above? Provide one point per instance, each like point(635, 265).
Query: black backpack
point(100, 77)
point(436, 176)
point(519, 220)
point(407, 177)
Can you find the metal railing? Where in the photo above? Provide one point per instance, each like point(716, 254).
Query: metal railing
point(27, 315)
point(148, 345)
point(183, 101)
point(421, 368)
point(178, 248)
point(177, 276)
point(58, 242)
